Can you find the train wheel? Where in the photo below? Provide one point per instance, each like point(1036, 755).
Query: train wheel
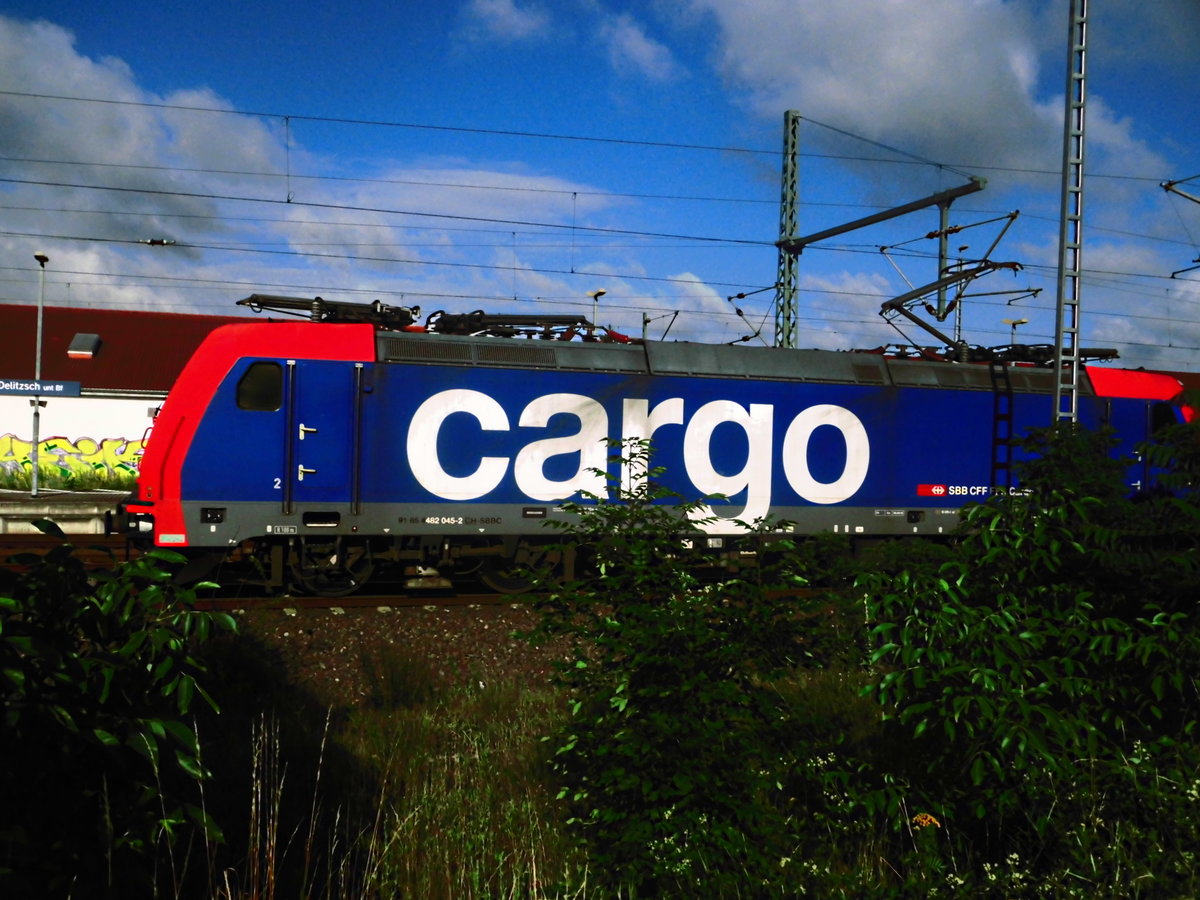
point(513, 576)
point(331, 567)
point(501, 577)
point(464, 558)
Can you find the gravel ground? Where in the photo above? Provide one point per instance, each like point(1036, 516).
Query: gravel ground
point(335, 652)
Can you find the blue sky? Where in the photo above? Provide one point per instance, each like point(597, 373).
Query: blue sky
point(513, 155)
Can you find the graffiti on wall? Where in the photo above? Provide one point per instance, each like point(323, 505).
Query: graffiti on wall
point(110, 455)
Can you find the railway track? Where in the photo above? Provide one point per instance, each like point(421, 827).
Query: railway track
point(95, 550)
point(106, 551)
point(356, 602)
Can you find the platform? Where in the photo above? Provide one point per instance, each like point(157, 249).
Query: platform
point(75, 512)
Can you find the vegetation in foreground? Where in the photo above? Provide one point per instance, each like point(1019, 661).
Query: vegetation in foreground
point(64, 479)
point(100, 685)
point(1009, 715)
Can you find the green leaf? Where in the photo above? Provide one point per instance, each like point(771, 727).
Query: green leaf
point(1157, 687)
point(199, 815)
point(64, 717)
point(105, 737)
point(182, 734)
point(183, 697)
point(191, 765)
point(167, 556)
point(50, 527)
point(977, 771)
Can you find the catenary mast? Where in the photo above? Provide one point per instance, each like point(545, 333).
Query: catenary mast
point(786, 316)
point(1070, 238)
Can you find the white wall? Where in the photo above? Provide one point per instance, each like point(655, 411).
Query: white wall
point(80, 432)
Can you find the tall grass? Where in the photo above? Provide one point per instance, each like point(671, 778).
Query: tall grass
point(461, 808)
point(460, 805)
point(465, 806)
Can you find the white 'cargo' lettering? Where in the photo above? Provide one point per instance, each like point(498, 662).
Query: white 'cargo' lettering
point(423, 439)
point(755, 475)
point(795, 454)
point(588, 442)
point(639, 421)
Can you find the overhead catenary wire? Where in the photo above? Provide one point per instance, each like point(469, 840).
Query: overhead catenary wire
point(230, 248)
point(201, 195)
point(825, 317)
point(464, 223)
point(294, 222)
point(906, 157)
point(288, 174)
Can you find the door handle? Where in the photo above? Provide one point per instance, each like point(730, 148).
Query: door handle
point(301, 472)
point(304, 429)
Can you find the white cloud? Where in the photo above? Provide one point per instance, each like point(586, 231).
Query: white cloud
point(505, 20)
point(702, 313)
point(56, 148)
point(446, 223)
point(630, 48)
point(960, 81)
point(841, 310)
point(947, 79)
point(179, 171)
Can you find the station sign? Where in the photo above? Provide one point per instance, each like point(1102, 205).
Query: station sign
point(33, 387)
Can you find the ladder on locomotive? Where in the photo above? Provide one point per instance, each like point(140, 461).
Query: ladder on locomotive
point(1002, 425)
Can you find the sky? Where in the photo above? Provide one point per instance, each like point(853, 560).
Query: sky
point(516, 155)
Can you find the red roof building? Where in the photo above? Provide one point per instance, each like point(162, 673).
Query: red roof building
point(137, 351)
point(125, 361)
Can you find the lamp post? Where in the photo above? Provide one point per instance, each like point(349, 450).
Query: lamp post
point(42, 259)
point(1014, 323)
point(596, 295)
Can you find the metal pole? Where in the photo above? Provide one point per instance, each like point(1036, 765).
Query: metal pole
point(1070, 235)
point(797, 245)
point(787, 317)
point(596, 295)
point(943, 257)
point(1012, 340)
point(42, 259)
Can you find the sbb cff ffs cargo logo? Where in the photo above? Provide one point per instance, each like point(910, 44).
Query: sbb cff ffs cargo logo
point(958, 490)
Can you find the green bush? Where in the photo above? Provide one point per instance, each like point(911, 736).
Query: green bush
point(1010, 713)
point(99, 761)
point(1038, 688)
point(670, 765)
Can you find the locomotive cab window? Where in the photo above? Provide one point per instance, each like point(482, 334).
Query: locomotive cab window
point(1162, 417)
point(261, 387)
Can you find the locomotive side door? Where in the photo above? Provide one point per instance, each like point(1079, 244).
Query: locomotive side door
point(321, 464)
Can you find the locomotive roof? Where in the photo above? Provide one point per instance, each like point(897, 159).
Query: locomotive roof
point(145, 351)
point(711, 360)
point(549, 344)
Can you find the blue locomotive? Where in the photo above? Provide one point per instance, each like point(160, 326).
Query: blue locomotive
point(323, 449)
